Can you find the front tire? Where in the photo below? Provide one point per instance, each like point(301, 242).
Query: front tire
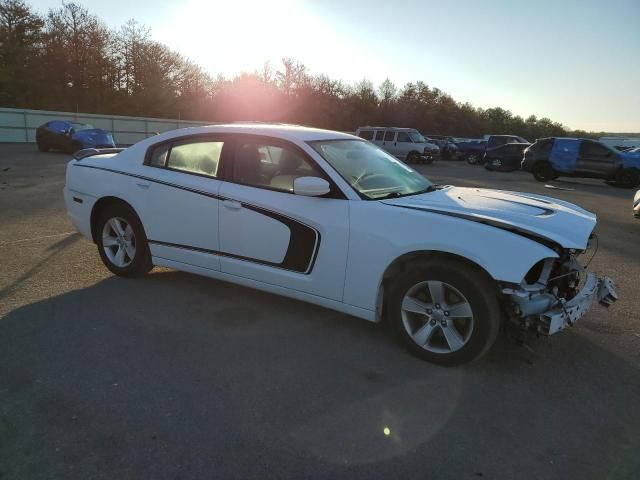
point(413, 157)
point(122, 243)
point(473, 159)
point(444, 311)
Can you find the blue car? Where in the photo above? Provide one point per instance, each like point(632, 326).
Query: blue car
point(550, 158)
point(71, 136)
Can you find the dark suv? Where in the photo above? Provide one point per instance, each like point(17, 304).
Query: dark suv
point(550, 158)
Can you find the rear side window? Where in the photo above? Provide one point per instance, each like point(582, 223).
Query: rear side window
point(389, 135)
point(379, 135)
point(593, 148)
point(159, 156)
point(366, 134)
point(404, 137)
point(200, 157)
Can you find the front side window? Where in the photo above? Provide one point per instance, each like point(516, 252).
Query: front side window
point(270, 165)
point(371, 171)
point(593, 148)
point(403, 137)
point(417, 137)
point(200, 157)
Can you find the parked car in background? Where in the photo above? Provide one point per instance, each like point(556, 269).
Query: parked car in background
point(505, 158)
point(448, 147)
point(71, 136)
point(407, 144)
point(636, 205)
point(336, 221)
point(550, 158)
point(474, 151)
point(471, 150)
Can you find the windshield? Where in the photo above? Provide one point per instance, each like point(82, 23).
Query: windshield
point(371, 171)
point(417, 137)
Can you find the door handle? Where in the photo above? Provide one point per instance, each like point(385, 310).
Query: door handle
point(143, 185)
point(232, 204)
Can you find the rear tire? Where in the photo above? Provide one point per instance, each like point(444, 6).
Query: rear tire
point(457, 325)
point(122, 242)
point(543, 172)
point(627, 178)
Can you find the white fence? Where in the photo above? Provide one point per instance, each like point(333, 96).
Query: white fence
point(20, 126)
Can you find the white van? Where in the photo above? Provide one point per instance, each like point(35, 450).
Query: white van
point(407, 144)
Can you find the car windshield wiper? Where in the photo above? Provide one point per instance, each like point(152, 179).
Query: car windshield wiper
point(396, 194)
point(430, 188)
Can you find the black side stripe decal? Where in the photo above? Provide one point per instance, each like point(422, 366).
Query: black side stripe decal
point(154, 180)
point(493, 223)
point(304, 242)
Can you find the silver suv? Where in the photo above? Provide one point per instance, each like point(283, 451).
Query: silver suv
point(407, 144)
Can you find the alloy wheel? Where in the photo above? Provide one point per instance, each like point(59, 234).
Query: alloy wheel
point(119, 242)
point(437, 317)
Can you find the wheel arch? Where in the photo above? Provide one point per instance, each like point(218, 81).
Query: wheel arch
point(100, 206)
point(400, 263)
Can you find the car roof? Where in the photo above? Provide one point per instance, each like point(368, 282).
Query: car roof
point(283, 131)
point(397, 129)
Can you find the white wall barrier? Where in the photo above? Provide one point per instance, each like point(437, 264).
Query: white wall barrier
point(19, 126)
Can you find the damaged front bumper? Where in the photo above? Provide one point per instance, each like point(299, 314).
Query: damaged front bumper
point(547, 314)
point(565, 314)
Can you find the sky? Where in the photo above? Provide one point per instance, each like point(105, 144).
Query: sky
point(576, 62)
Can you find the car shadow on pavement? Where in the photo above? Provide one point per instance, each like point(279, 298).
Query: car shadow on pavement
point(178, 376)
point(52, 252)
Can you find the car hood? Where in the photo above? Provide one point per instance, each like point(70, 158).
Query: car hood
point(534, 215)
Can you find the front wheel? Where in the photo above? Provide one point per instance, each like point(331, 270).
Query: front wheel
point(473, 159)
point(413, 157)
point(122, 243)
point(445, 311)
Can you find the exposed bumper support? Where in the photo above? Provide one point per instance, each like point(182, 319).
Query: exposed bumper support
point(567, 313)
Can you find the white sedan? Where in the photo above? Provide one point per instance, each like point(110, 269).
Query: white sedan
point(328, 218)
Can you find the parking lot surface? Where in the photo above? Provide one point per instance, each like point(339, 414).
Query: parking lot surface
point(174, 376)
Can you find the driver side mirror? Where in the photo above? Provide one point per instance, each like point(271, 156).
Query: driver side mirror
point(311, 186)
point(71, 131)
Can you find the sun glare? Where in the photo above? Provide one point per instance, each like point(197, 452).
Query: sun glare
point(229, 37)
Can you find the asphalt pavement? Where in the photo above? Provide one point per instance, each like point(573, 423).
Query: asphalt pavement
point(175, 376)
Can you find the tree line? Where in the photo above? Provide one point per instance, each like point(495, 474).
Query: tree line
point(70, 60)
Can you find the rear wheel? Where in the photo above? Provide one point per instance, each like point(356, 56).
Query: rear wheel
point(543, 172)
point(627, 178)
point(444, 311)
point(122, 243)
